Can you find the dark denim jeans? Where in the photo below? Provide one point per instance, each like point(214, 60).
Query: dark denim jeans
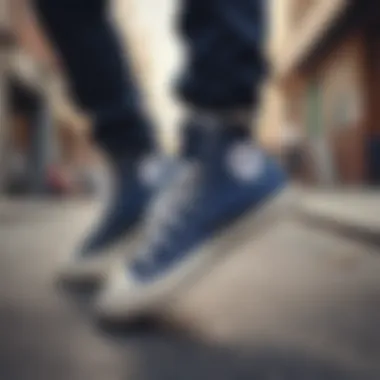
point(224, 70)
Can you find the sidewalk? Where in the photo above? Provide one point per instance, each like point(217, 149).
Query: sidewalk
point(295, 303)
point(26, 210)
point(354, 213)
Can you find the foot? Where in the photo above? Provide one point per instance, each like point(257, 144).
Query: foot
point(135, 182)
point(228, 188)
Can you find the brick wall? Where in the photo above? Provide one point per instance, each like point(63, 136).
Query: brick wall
point(306, 32)
point(344, 108)
point(28, 33)
point(373, 61)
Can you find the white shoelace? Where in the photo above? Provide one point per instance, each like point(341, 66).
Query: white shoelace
point(169, 209)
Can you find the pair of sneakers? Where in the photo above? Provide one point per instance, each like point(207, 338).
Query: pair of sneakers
point(221, 185)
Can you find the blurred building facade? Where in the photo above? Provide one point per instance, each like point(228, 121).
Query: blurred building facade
point(41, 120)
point(35, 111)
point(325, 84)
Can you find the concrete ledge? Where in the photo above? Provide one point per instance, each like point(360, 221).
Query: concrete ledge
point(355, 215)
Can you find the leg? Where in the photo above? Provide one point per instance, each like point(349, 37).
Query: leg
point(104, 86)
point(102, 80)
point(226, 65)
point(215, 199)
point(225, 41)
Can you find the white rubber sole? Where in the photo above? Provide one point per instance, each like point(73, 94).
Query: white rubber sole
point(123, 300)
point(96, 269)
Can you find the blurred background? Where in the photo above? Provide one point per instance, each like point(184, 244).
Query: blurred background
point(318, 111)
point(44, 139)
point(301, 302)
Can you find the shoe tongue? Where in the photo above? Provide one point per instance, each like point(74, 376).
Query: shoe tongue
point(129, 160)
point(121, 164)
point(210, 141)
point(192, 138)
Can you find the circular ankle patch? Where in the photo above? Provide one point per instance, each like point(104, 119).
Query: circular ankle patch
point(151, 170)
point(245, 162)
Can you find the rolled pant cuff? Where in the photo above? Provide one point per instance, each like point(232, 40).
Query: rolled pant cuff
point(122, 132)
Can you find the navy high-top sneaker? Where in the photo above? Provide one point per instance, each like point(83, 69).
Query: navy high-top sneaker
point(226, 191)
point(135, 180)
point(137, 168)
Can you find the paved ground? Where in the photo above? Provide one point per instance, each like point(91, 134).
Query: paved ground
point(294, 304)
point(350, 213)
point(355, 208)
